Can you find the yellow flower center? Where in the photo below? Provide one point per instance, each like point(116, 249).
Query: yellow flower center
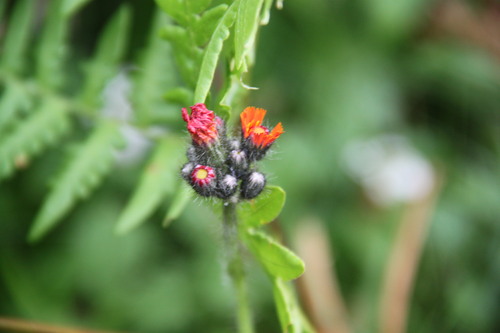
point(259, 130)
point(201, 174)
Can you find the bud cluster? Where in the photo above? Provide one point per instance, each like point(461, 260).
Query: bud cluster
point(221, 166)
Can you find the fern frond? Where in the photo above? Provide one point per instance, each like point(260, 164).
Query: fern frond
point(83, 173)
point(108, 55)
point(52, 48)
point(151, 79)
point(158, 179)
point(70, 7)
point(32, 136)
point(17, 37)
point(13, 100)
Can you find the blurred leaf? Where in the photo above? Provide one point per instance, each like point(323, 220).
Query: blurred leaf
point(182, 197)
point(181, 96)
point(151, 78)
point(276, 259)
point(245, 31)
point(290, 316)
point(17, 36)
point(197, 6)
point(52, 48)
point(205, 25)
point(14, 99)
point(69, 7)
point(33, 135)
point(83, 173)
point(110, 49)
point(158, 178)
point(264, 209)
point(266, 12)
point(211, 55)
point(176, 9)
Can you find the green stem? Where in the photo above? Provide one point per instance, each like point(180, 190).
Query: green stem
point(236, 267)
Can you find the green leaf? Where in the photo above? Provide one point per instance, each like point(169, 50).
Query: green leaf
point(290, 316)
point(17, 36)
point(158, 179)
point(107, 57)
point(211, 55)
point(181, 96)
point(182, 197)
point(82, 174)
point(43, 128)
point(52, 48)
point(245, 31)
point(70, 7)
point(13, 100)
point(197, 6)
point(152, 77)
point(264, 209)
point(205, 25)
point(175, 9)
point(276, 259)
point(266, 12)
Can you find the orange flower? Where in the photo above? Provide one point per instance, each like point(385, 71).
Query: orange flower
point(251, 125)
point(202, 124)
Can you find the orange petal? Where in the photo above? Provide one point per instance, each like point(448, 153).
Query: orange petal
point(250, 118)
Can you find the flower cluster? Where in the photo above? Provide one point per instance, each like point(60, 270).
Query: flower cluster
point(221, 166)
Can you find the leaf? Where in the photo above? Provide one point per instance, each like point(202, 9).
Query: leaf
point(107, 57)
point(290, 316)
point(262, 210)
point(175, 9)
point(17, 36)
point(181, 96)
point(245, 31)
point(13, 100)
point(158, 179)
point(33, 135)
point(205, 25)
point(82, 174)
point(52, 48)
point(197, 6)
point(151, 79)
point(266, 12)
point(182, 197)
point(69, 7)
point(211, 55)
point(276, 259)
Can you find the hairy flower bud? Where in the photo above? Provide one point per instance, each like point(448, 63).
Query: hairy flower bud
point(227, 186)
point(252, 185)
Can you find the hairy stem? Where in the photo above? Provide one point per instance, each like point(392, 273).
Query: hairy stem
point(236, 267)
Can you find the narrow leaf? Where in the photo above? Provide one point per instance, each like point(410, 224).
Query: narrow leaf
point(52, 47)
point(17, 36)
point(212, 52)
point(245, 30)
point(153, 77)
point(290, 316)
point(83, 173)
point(197, 6)
point(107, 57)
point(14, 99)
point(70, 7)
point(205, 25)
point(158, 179)
point(43, 128)
point(175, 9)
point(262, 210)
point(276, 259)
point(182, 197)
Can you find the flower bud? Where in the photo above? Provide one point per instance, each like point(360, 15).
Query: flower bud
point(227, 187)
point(252, 185)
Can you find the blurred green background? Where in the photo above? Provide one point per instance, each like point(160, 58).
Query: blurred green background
point(387, 106)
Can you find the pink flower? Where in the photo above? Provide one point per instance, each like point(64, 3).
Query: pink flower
point(202, 124)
